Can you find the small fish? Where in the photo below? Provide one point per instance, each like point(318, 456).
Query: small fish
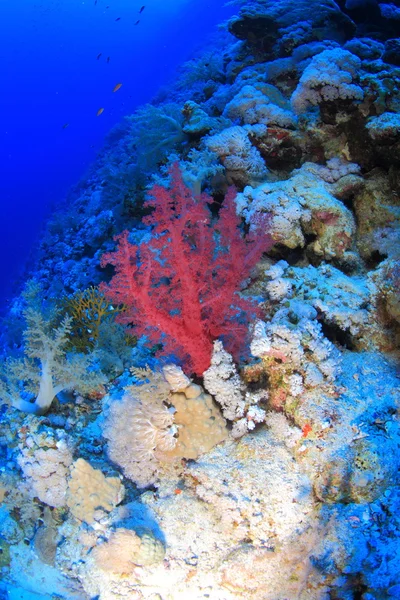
point(142, 9)
point(98, 56)
point(137, 22)
point(118, 19)
point(116, 88)
point(65, 125)
point(95, 2)
point(108, 59)
point(99, 112)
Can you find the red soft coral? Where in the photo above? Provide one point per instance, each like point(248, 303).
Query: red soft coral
point(184, 282)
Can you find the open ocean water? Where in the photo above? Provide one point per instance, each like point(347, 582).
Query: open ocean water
point(60, 63)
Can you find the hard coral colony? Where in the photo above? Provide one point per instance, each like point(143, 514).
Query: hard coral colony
point(244, 227)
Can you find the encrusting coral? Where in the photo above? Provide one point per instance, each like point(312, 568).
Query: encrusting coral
point(124, 550)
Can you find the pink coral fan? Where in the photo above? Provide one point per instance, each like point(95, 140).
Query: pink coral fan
point(184, 282)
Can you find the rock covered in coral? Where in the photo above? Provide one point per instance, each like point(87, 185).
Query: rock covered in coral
point(384, 131)
point(160, 421)
point(215, 537)
point(276, 28)
point(302, 205)
point(338, 300)
point(242, 160)
point(331, 75)
point(262, 103)
point(274, 483)
point(45, 457)
point(295, 356)
point(376, 207)
point(355, 445)
point(392, 51)
point(386, 280)
point(239, 406)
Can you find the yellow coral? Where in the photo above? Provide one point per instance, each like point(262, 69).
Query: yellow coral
point(200, 423)
point(89, 490)
point(88, 309)
point(125, 550)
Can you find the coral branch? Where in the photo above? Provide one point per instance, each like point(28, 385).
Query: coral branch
point(184, 282)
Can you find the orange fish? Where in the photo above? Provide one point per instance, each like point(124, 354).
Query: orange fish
point(99, 112)
point(117, 87)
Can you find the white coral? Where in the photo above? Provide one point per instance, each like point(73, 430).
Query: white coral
point(45, 459)
point(137, 431)
point(331, 75)
point(298, 206)
point(335, 169)
point(252, 106)
point(222, 380)
point(294, 340)
point(236, 152)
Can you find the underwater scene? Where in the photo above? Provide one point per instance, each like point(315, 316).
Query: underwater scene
point(200, 301)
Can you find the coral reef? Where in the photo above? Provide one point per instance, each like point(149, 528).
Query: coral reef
point(303, 208)
point(245, 442)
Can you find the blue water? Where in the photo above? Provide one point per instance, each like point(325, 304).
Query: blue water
point(54, 82)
